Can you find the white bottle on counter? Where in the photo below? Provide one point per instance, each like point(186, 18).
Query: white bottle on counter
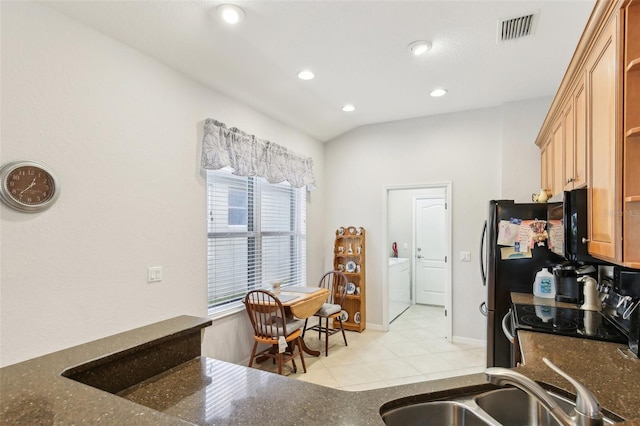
point(544, 285)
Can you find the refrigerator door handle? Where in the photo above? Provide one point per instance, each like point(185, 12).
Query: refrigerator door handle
point(483, 309)
point(482, 271)
point(505, 328)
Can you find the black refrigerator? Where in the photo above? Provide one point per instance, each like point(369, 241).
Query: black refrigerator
point(501, 277)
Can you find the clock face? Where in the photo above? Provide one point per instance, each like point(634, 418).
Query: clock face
point(27, 186)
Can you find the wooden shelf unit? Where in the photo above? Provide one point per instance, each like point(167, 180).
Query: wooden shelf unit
point(631, 135)
point(349, 246)
point(634, 65)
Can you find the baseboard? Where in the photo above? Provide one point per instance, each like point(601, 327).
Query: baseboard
point(375, 327)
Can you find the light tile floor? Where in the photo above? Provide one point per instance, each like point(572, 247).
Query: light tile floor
point(413, 350)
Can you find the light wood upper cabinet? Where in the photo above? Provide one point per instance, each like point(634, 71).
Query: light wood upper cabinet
point(580, 136)
point(557, 145)
point(597, 112)
point(563, 161)
point(602, 77)
point(569, 140)
point(546, 165)
point(574, 116)
point(631, 137)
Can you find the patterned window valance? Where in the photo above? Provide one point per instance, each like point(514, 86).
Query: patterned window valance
point(250, 156)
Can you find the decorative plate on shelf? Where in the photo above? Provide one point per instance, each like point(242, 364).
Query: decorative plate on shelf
point(344, 315)
point(352, 230)
point(341, 231)
point(351, 288)
point(356, 318)
point(351, 266)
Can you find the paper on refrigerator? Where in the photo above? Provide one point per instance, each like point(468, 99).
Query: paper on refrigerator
point(510, 253)
point(517, 236)
point(508, 232)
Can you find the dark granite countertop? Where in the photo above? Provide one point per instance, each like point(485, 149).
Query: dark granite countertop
point(200, 391)
point(222, 393)
point(35, 392)
point(530, 299)
point(612, 376)
point(207, 391)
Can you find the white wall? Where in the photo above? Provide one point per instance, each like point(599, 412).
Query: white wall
point(122, 132)
point(465, 148)
point(520, 155)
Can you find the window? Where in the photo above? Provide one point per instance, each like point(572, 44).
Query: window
point(256, 234)
point(238, 205)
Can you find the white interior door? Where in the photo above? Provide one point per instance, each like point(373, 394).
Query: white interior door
point(430, 251)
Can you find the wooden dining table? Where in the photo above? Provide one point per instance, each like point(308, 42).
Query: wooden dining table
point(302, 302)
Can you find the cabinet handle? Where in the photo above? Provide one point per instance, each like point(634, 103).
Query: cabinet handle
point(585, 240)
point(570, 180)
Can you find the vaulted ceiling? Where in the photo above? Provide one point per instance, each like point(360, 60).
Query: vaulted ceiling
point(358, 51)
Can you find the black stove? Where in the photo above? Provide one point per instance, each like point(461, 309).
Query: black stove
point(566, 322)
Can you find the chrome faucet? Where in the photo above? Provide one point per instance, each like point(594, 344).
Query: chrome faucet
point(587, 409)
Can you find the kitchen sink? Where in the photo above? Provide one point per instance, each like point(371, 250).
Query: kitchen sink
point(451, 413)
point(512, 406)
point(503, 406)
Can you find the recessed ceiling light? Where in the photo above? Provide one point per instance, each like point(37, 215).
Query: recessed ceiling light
point(438, 92)
point(420, 47)
point(348, 108)
point(306, 75)
point(230, 13)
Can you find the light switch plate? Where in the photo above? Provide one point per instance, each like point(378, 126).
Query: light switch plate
point(465, 256)
point(155, 274)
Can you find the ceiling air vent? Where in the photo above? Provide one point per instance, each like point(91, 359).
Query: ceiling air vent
point(515, 28)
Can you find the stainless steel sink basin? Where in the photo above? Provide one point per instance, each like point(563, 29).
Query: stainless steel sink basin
point(434, 413)
point(505, 406)
point(512, 406)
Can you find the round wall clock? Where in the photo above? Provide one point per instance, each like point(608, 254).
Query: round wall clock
point(28, 186)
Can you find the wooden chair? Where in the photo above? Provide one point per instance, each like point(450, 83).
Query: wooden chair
point(336, 282)
point(270, 326)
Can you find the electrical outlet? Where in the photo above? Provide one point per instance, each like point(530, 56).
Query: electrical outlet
point(465, 256)
point(154, 274)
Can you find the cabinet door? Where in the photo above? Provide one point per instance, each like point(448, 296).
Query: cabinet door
point(545, 167)
point(557, 144)
point(602, 120)
point(569, 145)
point(544, 154)
point(580, 136)
point(574, 117)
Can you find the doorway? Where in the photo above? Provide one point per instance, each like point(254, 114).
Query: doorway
point(400, 221)
point(430, 250)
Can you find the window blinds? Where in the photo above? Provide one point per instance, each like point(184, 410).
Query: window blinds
point(256, 235)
